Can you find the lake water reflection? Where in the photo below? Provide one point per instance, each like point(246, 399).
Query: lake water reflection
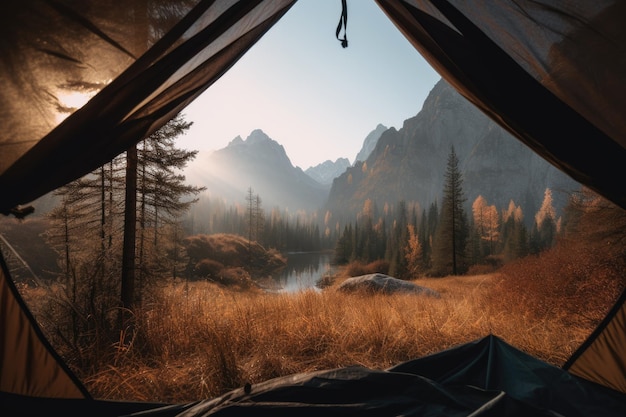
point(303, 270)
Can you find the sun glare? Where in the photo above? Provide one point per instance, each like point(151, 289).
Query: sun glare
point(70, 101)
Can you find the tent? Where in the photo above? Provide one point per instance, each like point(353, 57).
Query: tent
point(551, 72)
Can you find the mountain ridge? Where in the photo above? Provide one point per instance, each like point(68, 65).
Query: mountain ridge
point(409, 163)
point(404, 164)
point(327, 171)
point(260, 163)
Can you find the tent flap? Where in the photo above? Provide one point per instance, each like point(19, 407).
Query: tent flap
point(29, 364)
point(69, 111)
point(519, 80)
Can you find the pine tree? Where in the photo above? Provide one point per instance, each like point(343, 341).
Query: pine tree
point(397, 242)
point(428, 233)
point(514, 235)
point(452, 231)
point(162, 194)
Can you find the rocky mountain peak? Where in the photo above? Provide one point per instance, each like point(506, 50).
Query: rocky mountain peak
point(409, 164)
point(261, 163)
point(258, 136)
point(328, 170)
point(370, 143)
point(236, 141)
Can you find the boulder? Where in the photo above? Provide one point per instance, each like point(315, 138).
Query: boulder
point(383, 284)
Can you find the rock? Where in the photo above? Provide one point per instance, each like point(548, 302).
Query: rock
point(383, 284)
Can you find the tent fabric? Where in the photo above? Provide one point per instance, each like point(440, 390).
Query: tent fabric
point(16, 405)
point(28, 364)
point(62, 47)
point(486, 377)
point(601, 357)
point(483, 378)
point(550, 72)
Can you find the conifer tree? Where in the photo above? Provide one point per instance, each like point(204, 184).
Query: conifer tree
point(543, 234)
point(413, 252)
point(397, 242)
point(452, 231)
point(428, 226)
point(162, 194)
point(255, 216)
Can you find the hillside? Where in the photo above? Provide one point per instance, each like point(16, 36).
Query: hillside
point(409, 164)
point(261, 163)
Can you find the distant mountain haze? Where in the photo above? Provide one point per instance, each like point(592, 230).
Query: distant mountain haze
point(327, 171)
point(370, 143)
point(406, 164)
point(261, 163)
point(409, 164)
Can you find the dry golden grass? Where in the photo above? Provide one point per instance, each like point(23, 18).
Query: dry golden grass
point(199, 341)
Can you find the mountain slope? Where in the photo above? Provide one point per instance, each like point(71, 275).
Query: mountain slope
point(409, 164)
point(261, 163)
point(369, 144)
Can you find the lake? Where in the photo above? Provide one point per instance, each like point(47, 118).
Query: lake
point(303, 270)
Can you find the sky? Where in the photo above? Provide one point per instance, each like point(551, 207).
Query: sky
point(309, 94)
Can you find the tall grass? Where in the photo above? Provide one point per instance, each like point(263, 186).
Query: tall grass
point(198, 340)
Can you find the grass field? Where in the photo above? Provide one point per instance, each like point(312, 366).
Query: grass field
point(198, 340)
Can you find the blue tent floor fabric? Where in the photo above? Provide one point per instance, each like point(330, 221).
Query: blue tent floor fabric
point(487, 377)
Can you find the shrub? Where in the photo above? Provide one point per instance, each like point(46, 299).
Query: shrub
point(208, 268)
point(574, 281)
point(207, 252)
point(235, 277)
point(356, 268)
point(380, 266)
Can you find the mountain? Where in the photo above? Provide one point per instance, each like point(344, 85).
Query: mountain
point(409, 164)
point(261, 163)
point(370, 143)
point(328, 170)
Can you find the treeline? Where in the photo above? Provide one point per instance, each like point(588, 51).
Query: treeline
point(277, 229)
point(447, 238)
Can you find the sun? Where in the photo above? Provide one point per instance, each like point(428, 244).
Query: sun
point(69, 101)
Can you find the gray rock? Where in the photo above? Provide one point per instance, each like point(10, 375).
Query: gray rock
point(384, 284)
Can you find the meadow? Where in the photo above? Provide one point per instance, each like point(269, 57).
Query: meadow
point(198, 340)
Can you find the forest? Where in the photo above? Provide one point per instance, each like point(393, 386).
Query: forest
point(447, 240)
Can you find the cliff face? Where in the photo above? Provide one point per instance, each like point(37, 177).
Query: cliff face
point(369, 144)
point(409, 164)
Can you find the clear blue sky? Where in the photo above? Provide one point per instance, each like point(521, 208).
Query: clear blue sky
point(308, 93)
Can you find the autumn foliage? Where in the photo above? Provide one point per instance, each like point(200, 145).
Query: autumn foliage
point(227, 258)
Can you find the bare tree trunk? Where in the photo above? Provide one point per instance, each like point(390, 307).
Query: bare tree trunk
point(130, 230)
point(142, 227)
